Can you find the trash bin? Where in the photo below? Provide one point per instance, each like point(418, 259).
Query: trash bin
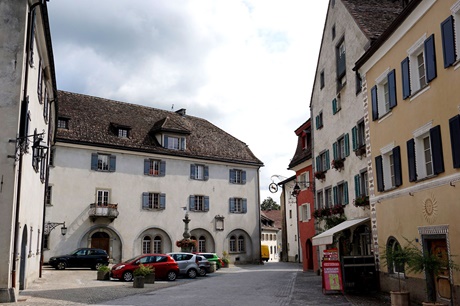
point(212, 269)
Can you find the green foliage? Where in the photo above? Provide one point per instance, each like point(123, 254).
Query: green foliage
point(104, 268)
point(269, 204)
point(143, 270)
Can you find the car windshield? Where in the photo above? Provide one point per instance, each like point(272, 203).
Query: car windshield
point(133, 259)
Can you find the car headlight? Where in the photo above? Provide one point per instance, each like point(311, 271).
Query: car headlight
point(120, 267)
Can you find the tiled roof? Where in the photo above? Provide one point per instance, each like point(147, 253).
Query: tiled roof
point(274, 215)
point(301, 154)
point(91, 122)
point(373, 16)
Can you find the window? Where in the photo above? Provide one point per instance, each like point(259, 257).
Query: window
point(319, 199)
point(48, 195)
point(394, 246)
point(202, 244)
point(102, 197)
point(198, 203)
point(157, 243)
point(37, 152)
point(241, 247)
point(146, 245)
point(419, 68)
point(305, 213)
point(238, 205)
point(174, 142)
point(336, 105)
point(319, 120)
point(361, 184)
point(40, 82)
point(290, 213)
point(46, 241)
point(383, 94)
point(358, 136)
point(152, 200)
point(232, 244)
point(199, 172)
point(32, 38)
point(388, 168)
point(328, 197)
point(45, 106)
point(341, 148)
point(237, 176)
point(154, 167)
point(341, 64)
point(333, 32)
point(52, 155)
point(454, 126)
point(359, 82)
point(323, 162)
point(103, 162)
point(424, 153)
point(123, 133)
point(341, 194)
point(321, 80)
point(43, 164)
point(63, 123)
point(303, 180)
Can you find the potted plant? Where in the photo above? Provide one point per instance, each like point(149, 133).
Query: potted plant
point(103, 273)
point(139, 276)
point(320, 175)
point(337, 164)
point(225, 259)
point(361, 201)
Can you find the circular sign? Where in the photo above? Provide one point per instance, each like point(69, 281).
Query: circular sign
point(273, 187)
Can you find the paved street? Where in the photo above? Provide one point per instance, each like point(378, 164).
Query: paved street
point(269, 284)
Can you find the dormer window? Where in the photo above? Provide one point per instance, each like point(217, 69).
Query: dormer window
point(174, 142)
point(123, 132)
point(63, 123)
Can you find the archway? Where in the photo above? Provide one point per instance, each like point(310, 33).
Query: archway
point(22, 265)
point(101, 240)
point(309, 254)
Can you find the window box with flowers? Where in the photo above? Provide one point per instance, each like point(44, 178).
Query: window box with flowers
point(361, 201)
point(320, 175)
point(337, 164)
point(322, 213)
point(361, 151)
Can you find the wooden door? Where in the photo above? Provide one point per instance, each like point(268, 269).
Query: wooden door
point(101, 240)
point(438, 247)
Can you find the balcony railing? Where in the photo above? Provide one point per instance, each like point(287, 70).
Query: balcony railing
point(100, 210)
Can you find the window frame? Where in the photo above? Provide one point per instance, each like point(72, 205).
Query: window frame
point(199, 172)
point(238, 205)
point(340, 192)
point(97, 162)
point(153, 201)
point(237, 176)
point(174, 142)
point(104, 195)
point(198, 203)
point(154, 167)
point(388, 168)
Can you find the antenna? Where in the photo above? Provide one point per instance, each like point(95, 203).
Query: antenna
point(172, 107)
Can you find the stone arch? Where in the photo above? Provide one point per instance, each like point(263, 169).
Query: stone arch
point(23, 259)
point(104, 238)
point(154, 233)
point(238, 256)
point(210, 244)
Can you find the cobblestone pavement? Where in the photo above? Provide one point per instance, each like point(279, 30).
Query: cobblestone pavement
point(79, 287)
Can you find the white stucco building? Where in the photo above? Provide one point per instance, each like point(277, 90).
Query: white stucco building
point(27, 104)
point(122, 175)
point(271, 233)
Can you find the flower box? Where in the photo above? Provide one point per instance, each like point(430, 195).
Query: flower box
point(337, 164)
point(361, 201)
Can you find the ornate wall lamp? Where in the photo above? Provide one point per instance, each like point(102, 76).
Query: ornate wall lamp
point(49, 226)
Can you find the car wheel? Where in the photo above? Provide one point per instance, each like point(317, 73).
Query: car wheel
point(127, 276)
point(61, 265)
point(202, 272)
point(191, 273)
point(97, 265)
point(171, 276)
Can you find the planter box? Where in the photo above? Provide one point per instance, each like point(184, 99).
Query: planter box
point(101, 275)
point(138, 282)
point(400, 298)
point(150, 279)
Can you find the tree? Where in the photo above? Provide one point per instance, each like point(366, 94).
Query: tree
point(269, 204)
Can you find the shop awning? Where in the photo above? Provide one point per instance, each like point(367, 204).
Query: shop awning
point(327, 236)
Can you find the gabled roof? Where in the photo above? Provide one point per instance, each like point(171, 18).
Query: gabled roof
point(301, 154)
point(274, 215)
point(91, 121)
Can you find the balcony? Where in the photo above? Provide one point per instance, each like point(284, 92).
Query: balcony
point(100, 210)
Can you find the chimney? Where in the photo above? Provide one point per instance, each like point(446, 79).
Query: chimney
point(181, 111)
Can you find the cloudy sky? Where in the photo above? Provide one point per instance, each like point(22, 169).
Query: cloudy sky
point(246, 66)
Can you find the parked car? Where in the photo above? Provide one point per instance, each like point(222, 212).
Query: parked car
point(188, 263)
point(165, 267)
point(204, 265)
point(81, 258)
point(214, 258)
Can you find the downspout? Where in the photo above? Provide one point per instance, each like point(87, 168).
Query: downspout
point(18, 190)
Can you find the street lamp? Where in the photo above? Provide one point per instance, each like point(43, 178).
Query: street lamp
point(49, 226)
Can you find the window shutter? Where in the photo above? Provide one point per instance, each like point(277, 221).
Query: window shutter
point(392, 88)
point(405, 75)
point(191, 203)
point(336, 196)
point(162, 201)
point(397, 166)
point(165, 141)
point(318, 164)
point(192, 171)
point(145, 200)
point(206, 173)
point(347, 144)
point(430, 59)
point(113, 163)
point(182, 143)
point(93, 161)
point(411, 160)
point(335, 152)
point(245, 206)
point(243, 177)
point(206, 203)
point(146, 166)
point(448, 41)
point(375, 105)
point(357, 186)
point(232, 176)
point(436, 146)
point(454, 125)
point(379, 171)
point(317, 122)
point(231, 204)
point(354, 138)
point(334, 106)
point(162, 168)
point(328, 161)
point(345, 191)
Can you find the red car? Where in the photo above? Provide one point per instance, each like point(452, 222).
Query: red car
point(165, 267)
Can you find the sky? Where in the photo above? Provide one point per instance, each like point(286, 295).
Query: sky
point(247, 66)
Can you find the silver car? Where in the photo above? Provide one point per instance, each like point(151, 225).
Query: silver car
point(188, 263)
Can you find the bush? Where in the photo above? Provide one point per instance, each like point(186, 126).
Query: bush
point(104, 268)
point(143, 270)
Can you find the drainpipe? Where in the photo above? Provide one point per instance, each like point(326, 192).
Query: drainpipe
point(18, 190)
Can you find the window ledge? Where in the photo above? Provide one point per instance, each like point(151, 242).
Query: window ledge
point(390, 189)
point(425, 178)
point(388, 114)
point(456, 64)
point(419, 92)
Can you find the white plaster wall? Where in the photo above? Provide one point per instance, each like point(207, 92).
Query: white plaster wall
point(74, 188)
point(291, 225)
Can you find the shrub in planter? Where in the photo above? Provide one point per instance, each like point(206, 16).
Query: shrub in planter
point(140, 274)
point(103, 273)
point(361, 201)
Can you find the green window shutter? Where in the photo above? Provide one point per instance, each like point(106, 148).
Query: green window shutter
point(354, 138)
point(347, 144)
point(334, 106)
point(336, 196)
point(335, 151)
point(328, 161)
point(345, 191)
point(357, 186)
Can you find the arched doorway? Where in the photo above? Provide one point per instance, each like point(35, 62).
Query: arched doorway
point(22, 266)
point(101, 240)
point(309, 253)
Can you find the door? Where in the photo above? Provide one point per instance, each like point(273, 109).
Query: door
point(101, 240)
point(438, 247)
